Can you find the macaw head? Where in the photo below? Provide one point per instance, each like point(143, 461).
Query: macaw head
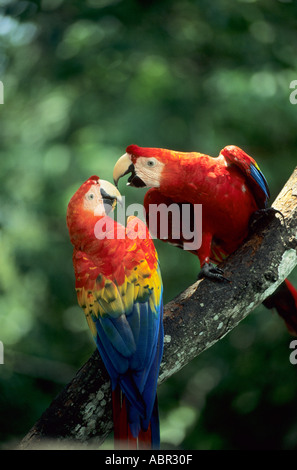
point(95, 198)
point(145, 164)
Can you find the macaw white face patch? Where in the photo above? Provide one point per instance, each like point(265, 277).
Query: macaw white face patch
point(93, 201)
point(149, 170)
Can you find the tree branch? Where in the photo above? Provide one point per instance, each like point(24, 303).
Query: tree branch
point(195, 320)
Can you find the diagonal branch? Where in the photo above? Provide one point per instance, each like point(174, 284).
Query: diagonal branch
point(193, 321)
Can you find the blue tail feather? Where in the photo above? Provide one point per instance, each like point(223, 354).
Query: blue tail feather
point(155, 426)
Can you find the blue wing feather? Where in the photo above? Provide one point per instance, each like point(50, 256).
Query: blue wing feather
point(260, 179)
point(254, 176)
point(115, 362)
point(153, 373)
point(117, 367)
point(134, 320)
point(119, 334)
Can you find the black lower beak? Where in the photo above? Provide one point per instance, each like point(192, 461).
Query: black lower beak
point(133, 179)
point(108, 201)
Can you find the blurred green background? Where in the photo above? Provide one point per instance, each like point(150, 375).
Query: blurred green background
point(84, 79)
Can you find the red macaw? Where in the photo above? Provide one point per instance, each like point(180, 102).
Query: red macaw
point(119, 286)
point(231, 188)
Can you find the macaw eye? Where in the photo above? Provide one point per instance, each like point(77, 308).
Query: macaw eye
point(90, 196)
point(151, 163)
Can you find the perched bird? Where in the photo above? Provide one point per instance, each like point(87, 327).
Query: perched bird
point(119, 286)
point(231, 188)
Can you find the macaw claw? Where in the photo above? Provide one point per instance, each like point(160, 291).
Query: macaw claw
point(212, 272)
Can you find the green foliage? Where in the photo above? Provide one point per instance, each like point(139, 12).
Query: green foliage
point(82, 80)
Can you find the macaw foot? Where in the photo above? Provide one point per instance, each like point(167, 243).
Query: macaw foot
point(212, 272)
point(262, 217)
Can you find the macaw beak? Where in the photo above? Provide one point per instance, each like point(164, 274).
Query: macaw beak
point(124, 166)
point(110, 194)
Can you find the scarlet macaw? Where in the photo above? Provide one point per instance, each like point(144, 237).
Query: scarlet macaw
point(231, 188)
point(119, 286)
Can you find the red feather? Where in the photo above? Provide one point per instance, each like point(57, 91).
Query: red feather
point(284, 300)
point(122, 433)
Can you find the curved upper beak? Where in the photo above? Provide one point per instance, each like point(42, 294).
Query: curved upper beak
point(122, 167)
point(110, 194)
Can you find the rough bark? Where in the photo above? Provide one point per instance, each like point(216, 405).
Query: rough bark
point(195, 320)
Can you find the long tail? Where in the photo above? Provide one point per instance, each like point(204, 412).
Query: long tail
point(123, 437)
point(284, 300)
